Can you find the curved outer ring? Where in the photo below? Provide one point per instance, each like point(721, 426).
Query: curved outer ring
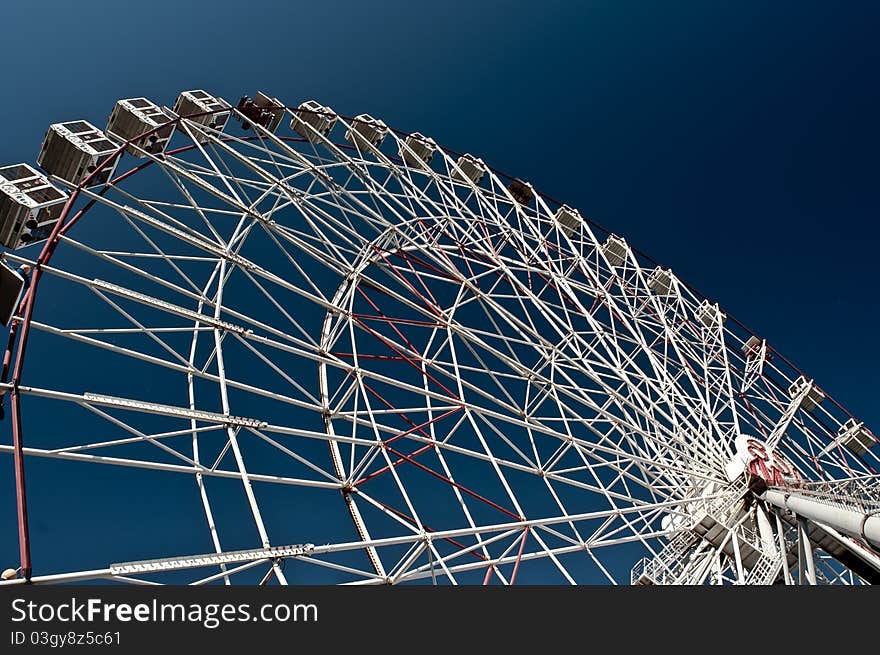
point(19, 337)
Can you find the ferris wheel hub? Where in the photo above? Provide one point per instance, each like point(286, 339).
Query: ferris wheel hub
point(754, 458)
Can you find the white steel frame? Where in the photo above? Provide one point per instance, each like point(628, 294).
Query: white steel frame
point(455, 349)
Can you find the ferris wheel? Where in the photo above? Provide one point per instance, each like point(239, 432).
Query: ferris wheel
point(294, 346)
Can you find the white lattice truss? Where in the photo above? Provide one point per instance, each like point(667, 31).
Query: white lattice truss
point(467, 388)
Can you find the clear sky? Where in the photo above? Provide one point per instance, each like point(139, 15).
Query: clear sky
point(735, 142)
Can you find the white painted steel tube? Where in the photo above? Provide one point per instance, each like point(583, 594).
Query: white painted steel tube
point(849, 521)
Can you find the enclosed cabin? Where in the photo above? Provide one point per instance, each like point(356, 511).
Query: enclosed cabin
point(418, 150)
point(521, 192)
point(855, 436)
point(73, 151)
point(313, 121)
point(709, 314)
point(29, 206)
point(260, 110)
point(569, 220)
point(812, 395)
point(615, 250)
point(366, 132)
point(469, 168)
point(143, 123)
point(660, 282)
point(214, 111)
point(12, 284)
point(752, 347)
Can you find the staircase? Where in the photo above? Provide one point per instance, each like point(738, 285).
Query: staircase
point(709, 518)
point(766, 570)
point(668, 565)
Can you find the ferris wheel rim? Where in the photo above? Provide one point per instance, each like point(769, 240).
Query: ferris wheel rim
point(66, 222)
point(48, 250)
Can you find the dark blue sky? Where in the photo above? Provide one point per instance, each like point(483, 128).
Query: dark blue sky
point(735, 142)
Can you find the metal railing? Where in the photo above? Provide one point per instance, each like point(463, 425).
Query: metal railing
point(719, 507)
point(766, 570)
point(860, 493)
point(669, 564)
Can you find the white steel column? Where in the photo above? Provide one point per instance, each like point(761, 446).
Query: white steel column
point(806, 565)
